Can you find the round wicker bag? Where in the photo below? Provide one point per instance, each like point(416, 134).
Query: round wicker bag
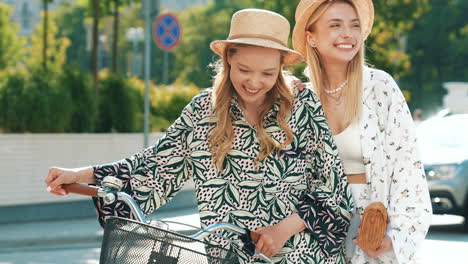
point(373, 226)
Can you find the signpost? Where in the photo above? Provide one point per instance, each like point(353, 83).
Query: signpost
point(147, 15)
point(166, 31)
point(166, 34)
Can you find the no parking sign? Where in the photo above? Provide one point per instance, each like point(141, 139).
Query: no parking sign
point(167, 31)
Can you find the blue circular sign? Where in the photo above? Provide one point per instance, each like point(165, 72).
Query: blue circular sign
point(167, 31)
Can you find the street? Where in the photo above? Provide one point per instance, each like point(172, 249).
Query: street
point(445, 243)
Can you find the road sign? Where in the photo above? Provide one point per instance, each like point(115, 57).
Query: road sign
point(167, 31)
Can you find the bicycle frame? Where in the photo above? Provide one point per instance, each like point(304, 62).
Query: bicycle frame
point(110, 192)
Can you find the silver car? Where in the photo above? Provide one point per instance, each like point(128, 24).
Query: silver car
point(443, 142)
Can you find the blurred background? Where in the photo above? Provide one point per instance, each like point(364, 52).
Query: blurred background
point(73, 83)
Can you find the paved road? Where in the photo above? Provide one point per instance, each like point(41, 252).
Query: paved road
point(446, 243)
point(86, 253)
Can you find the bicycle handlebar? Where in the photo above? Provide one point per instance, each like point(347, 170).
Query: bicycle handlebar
point(110, 195)
point(82, 189)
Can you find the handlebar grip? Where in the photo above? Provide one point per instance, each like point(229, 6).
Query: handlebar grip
point(82, 189)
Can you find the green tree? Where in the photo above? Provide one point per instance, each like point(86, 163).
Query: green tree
point(48, 102)
point(95, 8)
point(201, 25)
point(56, 51)
point(437, 44)
point(11, 45)
point(71, 18)
point(118, 106)
point(113, 7)
point(13, 108)
point(34, 101)
point(386, 44)
point(83, 102)
point(45, 24)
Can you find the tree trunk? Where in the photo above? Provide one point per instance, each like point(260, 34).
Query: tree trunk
point(44, 34)
point(116, 36)
point(94, 52)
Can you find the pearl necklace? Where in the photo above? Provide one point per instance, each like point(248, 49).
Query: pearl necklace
point(337, 89)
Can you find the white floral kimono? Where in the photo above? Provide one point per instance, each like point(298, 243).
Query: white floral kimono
point(395, 175)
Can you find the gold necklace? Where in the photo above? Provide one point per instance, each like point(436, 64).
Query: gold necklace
point(337, 100)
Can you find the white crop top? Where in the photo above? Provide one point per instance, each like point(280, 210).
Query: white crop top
point(349, 148)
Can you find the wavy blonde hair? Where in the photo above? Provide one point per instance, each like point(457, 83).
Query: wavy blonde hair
point(318, 76)
point(222, 136)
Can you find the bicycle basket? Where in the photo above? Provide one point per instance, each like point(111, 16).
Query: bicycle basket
point(129, 242)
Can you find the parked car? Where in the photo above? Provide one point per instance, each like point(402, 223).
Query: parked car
point(443, 143)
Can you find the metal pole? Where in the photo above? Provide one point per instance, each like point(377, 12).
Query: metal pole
point(135, 52)
point(147, 14)
point(165, 69)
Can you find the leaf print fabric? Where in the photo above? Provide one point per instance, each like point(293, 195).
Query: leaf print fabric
point(305, 177)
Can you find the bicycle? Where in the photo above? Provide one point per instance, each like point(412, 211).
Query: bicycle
point(140, 241)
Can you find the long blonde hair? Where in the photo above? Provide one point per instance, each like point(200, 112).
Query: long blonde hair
point(318, 76)
point(223, 91)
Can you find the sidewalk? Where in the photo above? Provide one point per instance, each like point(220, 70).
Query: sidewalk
point(51, 234)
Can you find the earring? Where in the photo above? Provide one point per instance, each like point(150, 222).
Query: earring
point(313, 44)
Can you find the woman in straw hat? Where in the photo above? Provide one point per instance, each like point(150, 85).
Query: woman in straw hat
point(257, 151)
point(371, 124)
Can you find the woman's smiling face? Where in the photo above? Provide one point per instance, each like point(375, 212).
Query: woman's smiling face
point(337, 34)
point(254, 71)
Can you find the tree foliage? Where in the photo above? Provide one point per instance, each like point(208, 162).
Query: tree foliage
point(387, 42)
point(56, 51)
point(34, 101)
point(201, 25)
point(438, 47)
point(422, 43)
point(11, 45)
point(71, 18)
point(83, 102)
point(118, 109)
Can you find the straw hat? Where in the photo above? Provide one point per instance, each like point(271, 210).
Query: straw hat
point(306, 8)
point(260, 28)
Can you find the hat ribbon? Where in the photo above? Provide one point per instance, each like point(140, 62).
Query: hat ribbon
point(257, 36)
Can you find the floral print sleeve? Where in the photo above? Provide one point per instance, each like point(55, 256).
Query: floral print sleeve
point(409, 203)
point(326, 209)
point(156, 174)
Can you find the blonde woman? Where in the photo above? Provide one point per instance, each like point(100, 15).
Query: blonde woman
point(371, 124)
point(260, 154)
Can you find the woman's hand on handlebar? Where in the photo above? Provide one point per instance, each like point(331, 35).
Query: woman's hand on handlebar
point(273, 238)
point(59, 176)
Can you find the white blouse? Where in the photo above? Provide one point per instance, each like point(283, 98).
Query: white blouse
point(349, 148)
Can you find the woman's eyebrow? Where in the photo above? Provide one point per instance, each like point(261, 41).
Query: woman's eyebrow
point(269, 69)
point(340, 20)
point(240, 64)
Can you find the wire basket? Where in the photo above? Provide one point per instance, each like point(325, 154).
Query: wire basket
point(129, 242)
